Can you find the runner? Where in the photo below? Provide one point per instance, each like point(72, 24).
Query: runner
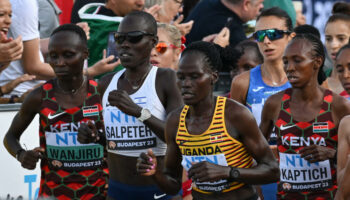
point(69, 170)
point(215, 139)
point(273, 31)
point(342, 67)
point(136, 101)
point(306, 119)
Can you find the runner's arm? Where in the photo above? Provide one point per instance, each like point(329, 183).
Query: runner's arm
point(169, 178)
point(170, 97)
point(30, 107)
point(266, 170)
point(268, 114)
point(343, 146)
point(239, 87)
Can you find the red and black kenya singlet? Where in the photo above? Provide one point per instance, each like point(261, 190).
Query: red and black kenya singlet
point(71, 170)
point(300, 179)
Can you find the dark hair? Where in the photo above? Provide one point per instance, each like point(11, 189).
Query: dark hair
point(229, 57)
point(249, 45)
point(340, 11)
point(214, 55)
point(146, 18)
point(341, 7)
point(307, 29)
point(347, 46)
point(72, 28)
point(277, 12)
point(318, 49)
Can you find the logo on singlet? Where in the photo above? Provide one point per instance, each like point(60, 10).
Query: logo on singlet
point(158, 196)
point(282, 128)
point(54, 116)
point(258, 89)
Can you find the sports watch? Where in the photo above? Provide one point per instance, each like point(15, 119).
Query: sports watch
point(145, 114)
point(234, 174)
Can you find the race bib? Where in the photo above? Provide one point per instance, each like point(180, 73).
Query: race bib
point(65, 152)
point(125, 132)
point(215, 186)
point(297, 174)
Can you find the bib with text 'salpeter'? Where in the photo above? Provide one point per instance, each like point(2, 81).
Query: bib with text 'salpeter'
point(215, 145)
point(71, 170)
point(125, 134)
point(300, 179)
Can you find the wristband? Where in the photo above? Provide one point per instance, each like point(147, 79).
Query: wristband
point(234, 174)
point(18, 153)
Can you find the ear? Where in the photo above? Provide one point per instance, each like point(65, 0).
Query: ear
point(317, 63)
point(245, 4)
point(86, 54)
point(290, 36)
point(154, 41)
point(214, 77)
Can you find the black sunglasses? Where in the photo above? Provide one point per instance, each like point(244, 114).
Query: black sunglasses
point(132, 37)
point(272, 34)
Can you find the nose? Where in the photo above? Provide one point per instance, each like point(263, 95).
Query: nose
point(8, 19)
point(266, 40)
point(346, 73)
point(186, 82)
point(154, 52)
point(289, 67)
point(334, 44)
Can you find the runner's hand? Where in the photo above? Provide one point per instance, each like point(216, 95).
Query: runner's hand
point(316, 153)
point(206, 171)
point(122, 100)
point(147, 163)
point(28, 159)
point(87, 133)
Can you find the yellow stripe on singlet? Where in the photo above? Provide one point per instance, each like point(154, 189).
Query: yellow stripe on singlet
point(215, 140)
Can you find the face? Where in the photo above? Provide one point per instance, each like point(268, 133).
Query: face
point(253, 8)
point(5, 16)
point(247, 61)
point(272, 50)
point(342, 65)
point(300, 66)
point(133, 53)
point(124, 7)
point(193, 79)
point(170, 8)
point(66, 54)
point(337, 35)
point(170, 57)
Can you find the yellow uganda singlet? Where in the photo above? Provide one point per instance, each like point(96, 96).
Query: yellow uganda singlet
point(215, 145)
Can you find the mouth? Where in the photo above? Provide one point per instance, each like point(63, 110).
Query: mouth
point(187, 95)
point(154, 62)
point(268, 51)
point(292, 78)
point(4, 30)
point(333, 55)
point(346, 86)
point(124, 55)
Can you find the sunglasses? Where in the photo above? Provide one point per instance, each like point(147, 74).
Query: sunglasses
point(161, 47)
point(132, 37)
point(272, 34)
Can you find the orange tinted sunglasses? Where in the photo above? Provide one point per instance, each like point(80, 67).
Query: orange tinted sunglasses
point(161, 47)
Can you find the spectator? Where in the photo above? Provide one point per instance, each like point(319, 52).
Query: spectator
point(48, 17)
point(211, 16)
point(74, 18)
point(25, 24)
point(104, 19)
point(166, 53)
point(337, 34)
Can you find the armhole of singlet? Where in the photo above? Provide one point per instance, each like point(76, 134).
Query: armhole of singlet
point(183, 114)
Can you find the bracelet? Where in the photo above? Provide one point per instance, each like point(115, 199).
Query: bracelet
point(18, 153)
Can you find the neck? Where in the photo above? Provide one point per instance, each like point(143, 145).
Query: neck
point(274, 72)
point(204, 108)
point(309, 93)
point(234, 8)
point(72, 84)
